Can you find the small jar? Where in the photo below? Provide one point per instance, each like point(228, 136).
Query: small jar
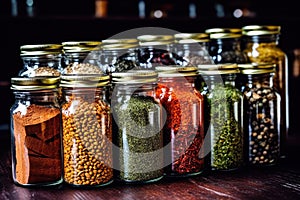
point(261, 47)
point(183, 130)
point(137, 127)
point(35, 132)
point(225, 45)
point(87, 131)
point(80, 55)
point(262, 115)
point(192, 48)
point(41, 60)
point(226, 119)
point(119, 55)
point(155, 50)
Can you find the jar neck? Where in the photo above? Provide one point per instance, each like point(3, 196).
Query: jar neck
point(139, 89)
point(53, 61)
point(81, 57)
point(226, 44)
point(258, 80)
point(220, 79)
point(47, 96)
point(89, 93)
point(272, 39)
point(179, 82)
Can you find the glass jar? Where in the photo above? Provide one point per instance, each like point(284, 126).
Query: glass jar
point(41, 60)
point(262, 115)
point(192, 49)
point(155, 50)
point(226, 117)
point(183, 131)
point(137, 127)
point(119, 55)
point(35, 132)
point(87, 131)
point(225, 45)
point(261, 47)
point(81, 57)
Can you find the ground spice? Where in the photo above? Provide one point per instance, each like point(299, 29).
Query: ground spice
point(37, 145)
point(184, 127)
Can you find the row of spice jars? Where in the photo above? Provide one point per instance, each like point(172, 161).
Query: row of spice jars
point(158, 124)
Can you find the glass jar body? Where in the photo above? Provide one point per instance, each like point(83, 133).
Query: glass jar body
point(226, 123)
point(227, 50)
point(184, 127)
point(192, 53)
point(87, 137)
point(36, 141)
point(264, 49)
point(262, 120)
point(137, 132)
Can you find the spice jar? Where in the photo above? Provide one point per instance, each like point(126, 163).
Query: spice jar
point(225, 45)
point(81, 54)
point(261, 47)
point(41, 60)
point(192, 49)
point(87, 131)
point(119, 55)
point(35, 132)
point(183, 131)
point(226, 120)
point(262, 114)
point(155, 50)
point(137, 127)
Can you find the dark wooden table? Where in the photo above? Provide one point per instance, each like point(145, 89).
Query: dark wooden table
point(277, 182)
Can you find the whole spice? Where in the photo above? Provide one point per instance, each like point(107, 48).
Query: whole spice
point(82, 68)
point(184, 126)
point(139, 138)
point(87, 138)
point(37, 144)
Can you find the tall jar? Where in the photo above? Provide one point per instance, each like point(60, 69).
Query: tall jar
point(261, 47)
point(155, 50)
point(41, 60)
point(226, 117)
point(192, 49)
point(262, 115)
point(225, 45)
point(87, 131)
point(137, 127)
point(119, 55)
point(183, 131)
point(35, 132)
point(83, 56)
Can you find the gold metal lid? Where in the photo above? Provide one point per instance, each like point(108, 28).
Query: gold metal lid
point(257, 68)
point(80, 46)
point(118, 46)
point(135, 76)
point(252, 30)
point(152, 40)
point(84, 80)
point(121, 41)
point(211, 69)
point(34, 83)
point(182, 38)
point(40, 49)
point(176, 71)
point(220, 33)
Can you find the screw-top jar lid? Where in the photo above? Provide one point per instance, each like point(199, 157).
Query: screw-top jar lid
point(40, 49)
point(121, 41)
point(211, 69)
point(34, 83)
point(84, 80)
point(256, 68)
point(183, 38)
point(252, 30)
point(152, 40)
point(222, 33)
point(176, 71)
point(118, 46)
point(80, 46)
point(135, 76)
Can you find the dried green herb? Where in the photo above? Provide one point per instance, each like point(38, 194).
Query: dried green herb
point(139, 137)
point(226, 132)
